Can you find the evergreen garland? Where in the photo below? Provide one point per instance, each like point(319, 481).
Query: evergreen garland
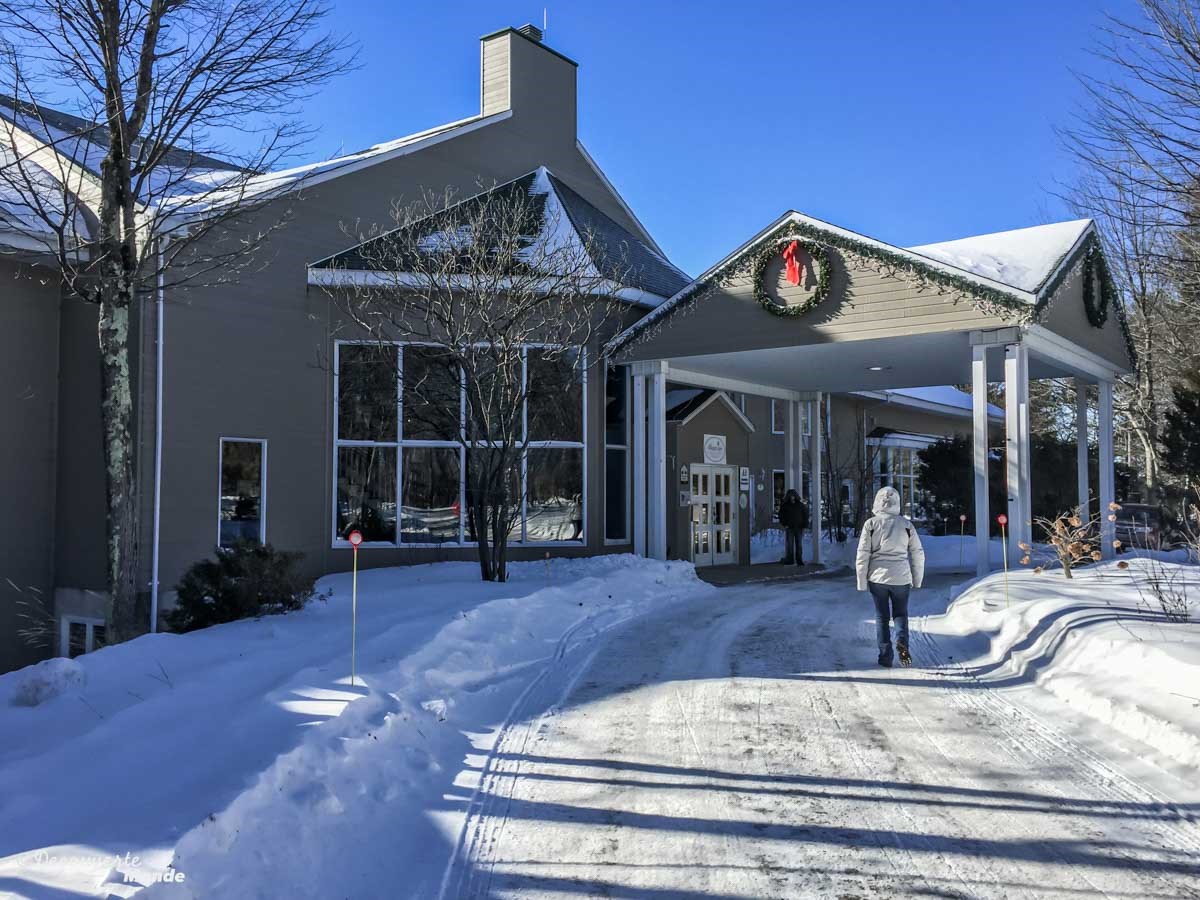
point(988, 300)
point(1094, 263)
point(821, 262)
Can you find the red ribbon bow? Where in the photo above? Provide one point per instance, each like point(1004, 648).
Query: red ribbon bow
point(794, 264)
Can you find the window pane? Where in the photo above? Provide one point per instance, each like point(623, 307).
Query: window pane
point(367, 492)
point(616, 412)
point(555, 506)
point(432, 395)
point(76, 639)
point(555, 396)
point(241, 491)
point(99, 637)
point(496, 482)
point(616, 495)
point(431, 500)
point(778, 482)
point(366, 392)
point(494, 397)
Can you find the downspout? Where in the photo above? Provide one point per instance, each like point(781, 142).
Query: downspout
point(158, 417)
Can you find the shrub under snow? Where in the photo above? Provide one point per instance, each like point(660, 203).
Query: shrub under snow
point(47, 680)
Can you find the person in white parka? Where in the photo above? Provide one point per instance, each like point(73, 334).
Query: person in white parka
point(890, 563)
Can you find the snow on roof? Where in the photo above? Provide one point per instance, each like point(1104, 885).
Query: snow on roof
point(943, 395)
point(1024, 258)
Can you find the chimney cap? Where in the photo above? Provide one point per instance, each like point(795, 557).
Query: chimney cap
point(531, 31)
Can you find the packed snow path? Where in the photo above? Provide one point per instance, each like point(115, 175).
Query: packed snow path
point(746, 745)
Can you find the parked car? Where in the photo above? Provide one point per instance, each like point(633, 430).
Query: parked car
point(1139, 526)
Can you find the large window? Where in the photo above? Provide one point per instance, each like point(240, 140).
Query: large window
point(400, 466)
point(778, 417)
point(778, 489)
point(616, 455)
point(897, 466)
point(243, 491)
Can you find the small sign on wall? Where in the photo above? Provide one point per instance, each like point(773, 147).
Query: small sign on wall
point(685, 498)
point(744, 478)
point(714, 449)
point(683, 474)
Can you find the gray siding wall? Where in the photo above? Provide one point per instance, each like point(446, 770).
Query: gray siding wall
point(1066, 315)
point(29, 318)
point(494, 82)
point(252, 359)
point(863, 304)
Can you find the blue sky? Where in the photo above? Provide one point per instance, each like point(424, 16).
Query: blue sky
point(909, 122)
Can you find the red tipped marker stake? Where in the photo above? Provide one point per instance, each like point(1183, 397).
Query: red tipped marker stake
point(355, 538)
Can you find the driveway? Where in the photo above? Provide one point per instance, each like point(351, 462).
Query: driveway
point(746, 745)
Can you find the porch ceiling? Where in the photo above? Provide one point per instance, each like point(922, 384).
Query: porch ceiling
point(918, 360)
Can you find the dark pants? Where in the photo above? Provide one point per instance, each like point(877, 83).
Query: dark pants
point(795, 546)
point(891, 602)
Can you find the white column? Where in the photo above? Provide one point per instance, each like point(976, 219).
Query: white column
point(1081, 442)
point(639, 464)
point(979, 411)
point(1107, 474)
point(796, 464)
point(789, 447)
point(1012, 446)
point(817, 446)
point(1025, 496)
point(656, 445)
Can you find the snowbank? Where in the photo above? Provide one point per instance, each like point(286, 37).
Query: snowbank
point(1096, 642)
point(244, 751)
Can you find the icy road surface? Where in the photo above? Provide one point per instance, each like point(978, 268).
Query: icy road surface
point(747, 745)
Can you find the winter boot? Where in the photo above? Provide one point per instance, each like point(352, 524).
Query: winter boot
point(902, 652)
point(885, 655)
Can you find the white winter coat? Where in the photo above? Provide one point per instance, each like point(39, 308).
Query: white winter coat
point(889, 551)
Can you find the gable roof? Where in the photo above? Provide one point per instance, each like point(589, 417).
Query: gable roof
point(1024, 258)
point(944, 399)
point(694, 400)
point(981, 280)
point(558, 216)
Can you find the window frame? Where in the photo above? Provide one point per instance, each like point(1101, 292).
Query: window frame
point(583, 445)
point(64, 632)
point(777, 426)
point(262, 483)
point(626, 449)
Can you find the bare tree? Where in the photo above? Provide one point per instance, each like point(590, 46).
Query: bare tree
point(137, 187)
point(500, 306)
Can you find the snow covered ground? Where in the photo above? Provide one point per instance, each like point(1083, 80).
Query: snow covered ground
point(616, 727)
point(247, 746)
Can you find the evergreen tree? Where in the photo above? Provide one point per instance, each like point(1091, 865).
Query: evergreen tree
point(1181, 432)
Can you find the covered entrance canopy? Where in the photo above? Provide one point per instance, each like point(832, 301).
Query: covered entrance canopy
point(806, 307)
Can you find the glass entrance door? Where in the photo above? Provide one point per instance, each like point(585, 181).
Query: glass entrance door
point(714, 515)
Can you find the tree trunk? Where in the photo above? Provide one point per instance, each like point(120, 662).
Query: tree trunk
point(117, 423)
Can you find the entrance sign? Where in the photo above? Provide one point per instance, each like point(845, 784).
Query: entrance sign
point(714, 449)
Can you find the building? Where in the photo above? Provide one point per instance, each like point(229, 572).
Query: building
point(258, 438)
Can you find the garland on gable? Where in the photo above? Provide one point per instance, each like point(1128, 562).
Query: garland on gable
point(988, 300)
point(819, 260)
point(1095, 264)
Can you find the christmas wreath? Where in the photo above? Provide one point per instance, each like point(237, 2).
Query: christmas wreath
point(793, 251)
point(1096, 266)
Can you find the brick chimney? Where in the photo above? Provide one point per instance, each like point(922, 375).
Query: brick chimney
point(519, 72)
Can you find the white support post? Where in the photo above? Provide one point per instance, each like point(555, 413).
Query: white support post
point(1108, 530)
point(817, 444)
point(639, 464)
point(1081, 451)
point(789, 448)
point(1025, 529)
point(656, 445)
point(979, 411)
point(796, 464)
point(1012, 448)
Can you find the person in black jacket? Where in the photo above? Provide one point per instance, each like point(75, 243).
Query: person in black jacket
point(793, 516)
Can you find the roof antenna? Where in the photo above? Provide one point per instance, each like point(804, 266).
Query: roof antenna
point(543, 20)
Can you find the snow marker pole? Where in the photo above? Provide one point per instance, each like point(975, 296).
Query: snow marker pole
point(1003, 520)
point(355, 539)
point(962, 536)
point(547, 567)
